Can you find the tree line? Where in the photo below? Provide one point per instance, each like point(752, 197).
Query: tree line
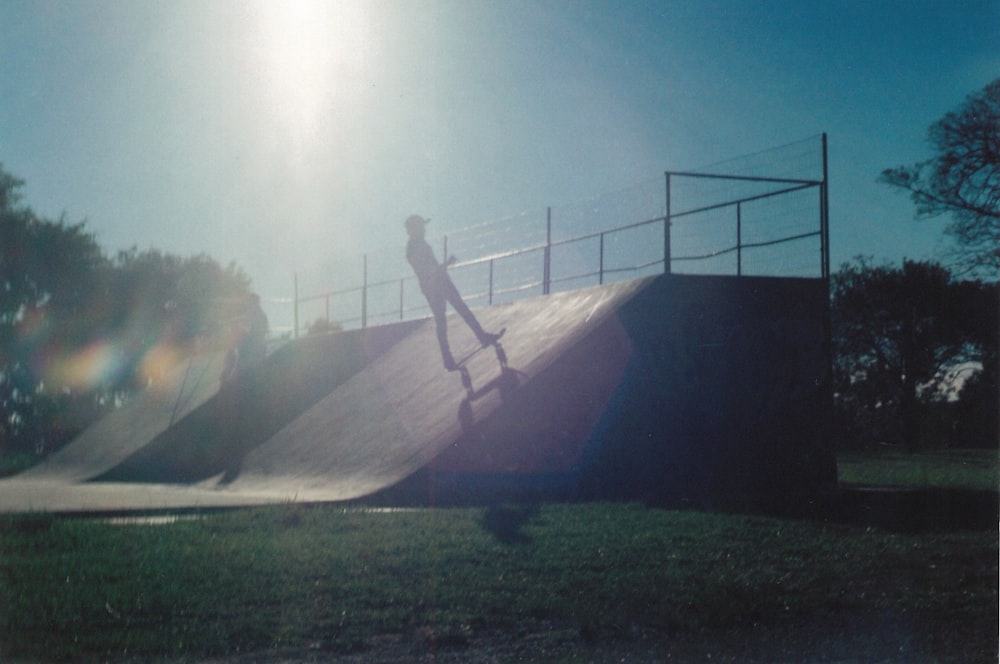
point(915, 346)
point(915, 358)
point(81, 331)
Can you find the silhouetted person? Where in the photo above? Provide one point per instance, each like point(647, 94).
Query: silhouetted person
point(438, 288)
point(239, 416)
point(249, 344)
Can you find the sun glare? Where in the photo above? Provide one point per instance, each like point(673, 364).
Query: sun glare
point(310, 54)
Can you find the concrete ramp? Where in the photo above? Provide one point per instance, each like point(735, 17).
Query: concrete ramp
point(212, 441)
point(186, 429)
point(711, 389)
point(404, 411)
point(124, 431)
point(331, 418)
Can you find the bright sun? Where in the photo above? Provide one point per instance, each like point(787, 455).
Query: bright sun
point(310, 54)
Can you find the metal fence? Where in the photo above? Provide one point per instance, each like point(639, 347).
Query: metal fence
point(706, 223)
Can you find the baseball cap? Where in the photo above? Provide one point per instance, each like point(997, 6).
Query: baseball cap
point(415, 220)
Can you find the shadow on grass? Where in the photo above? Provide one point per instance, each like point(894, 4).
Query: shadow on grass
point(506, 522)
point(911, 510)
point(918, 510)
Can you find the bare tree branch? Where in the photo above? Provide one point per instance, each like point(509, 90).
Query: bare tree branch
point(963, 180)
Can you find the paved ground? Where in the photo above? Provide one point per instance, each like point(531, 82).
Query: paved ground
point(333, 423)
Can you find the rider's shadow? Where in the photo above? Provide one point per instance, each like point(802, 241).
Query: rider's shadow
point(505, 384)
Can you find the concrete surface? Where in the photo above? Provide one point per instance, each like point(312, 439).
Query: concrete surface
point(321, 420)
point(710, 390)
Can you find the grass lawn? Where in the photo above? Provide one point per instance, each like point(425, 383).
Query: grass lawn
point(964, 469)
point(597, 582)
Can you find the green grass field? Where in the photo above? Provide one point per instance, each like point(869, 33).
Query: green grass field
point(554, 582)
point(964, 469)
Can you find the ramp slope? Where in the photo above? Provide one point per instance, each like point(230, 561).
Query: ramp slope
point(712, 388)
point(152, 452)
point(397, 410)
point(215, 438)
point(404, 410)
point(697, 390)
point(118, 435)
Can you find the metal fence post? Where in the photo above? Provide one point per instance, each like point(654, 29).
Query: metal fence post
point(600, 270)
point(739, 239)
point(666, 230)
point(824, 219)
point(364, 292)
point(547, 268)
point(295, 309)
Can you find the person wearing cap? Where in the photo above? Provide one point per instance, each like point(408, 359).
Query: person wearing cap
point(248, 342)
point(438, 288)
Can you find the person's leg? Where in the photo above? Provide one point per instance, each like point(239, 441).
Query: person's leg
point(437, 305)
point(455, 298)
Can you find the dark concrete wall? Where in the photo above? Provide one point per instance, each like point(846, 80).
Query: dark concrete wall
point(727, 396)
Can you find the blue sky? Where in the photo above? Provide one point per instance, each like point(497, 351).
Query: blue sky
point(295, 136)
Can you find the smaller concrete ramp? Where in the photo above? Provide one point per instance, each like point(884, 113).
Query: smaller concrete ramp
point(390, 413)
point(214, 439)
point(175, 445)
point(124, 431)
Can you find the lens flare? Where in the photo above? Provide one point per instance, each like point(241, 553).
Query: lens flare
point(308, 54)
point(160, 359)
point(87, 368)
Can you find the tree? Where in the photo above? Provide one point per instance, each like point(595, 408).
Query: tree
point(322, 326)
point(161, 301)
point(963, 180)
point(79, 332)
point(896, 331)
point(46, 279)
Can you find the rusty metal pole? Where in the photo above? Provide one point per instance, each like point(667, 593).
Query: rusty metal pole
point(824, 217)
point(547, 268)
point(739, 239)
point(666, 230)
point(295, 308)
point(600, 277)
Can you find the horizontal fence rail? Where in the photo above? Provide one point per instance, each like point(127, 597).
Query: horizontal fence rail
point(765, 218)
